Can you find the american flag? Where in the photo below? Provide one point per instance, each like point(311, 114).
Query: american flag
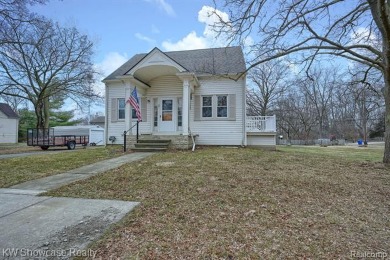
point(133, 100)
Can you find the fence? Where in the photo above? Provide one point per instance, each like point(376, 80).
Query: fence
point(261, 124)
point(310, 142)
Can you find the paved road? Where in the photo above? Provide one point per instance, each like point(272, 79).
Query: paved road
point(38, 152)
point(16, 155)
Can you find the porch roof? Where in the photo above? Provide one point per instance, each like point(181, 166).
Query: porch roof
point(216, 61)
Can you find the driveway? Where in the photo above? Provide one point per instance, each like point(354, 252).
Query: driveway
point(44, 227)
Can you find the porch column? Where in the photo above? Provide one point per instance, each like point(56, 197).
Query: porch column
point(186, 105)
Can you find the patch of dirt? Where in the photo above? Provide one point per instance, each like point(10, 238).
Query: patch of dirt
point(73, 240)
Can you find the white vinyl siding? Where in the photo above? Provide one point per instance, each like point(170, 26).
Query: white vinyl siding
point(144, 111)
point(219, 131)
point(115, 127)
point(261, 140)
point(164, 86)
point(8, 129)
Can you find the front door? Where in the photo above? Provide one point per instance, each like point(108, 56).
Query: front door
point(167, 116)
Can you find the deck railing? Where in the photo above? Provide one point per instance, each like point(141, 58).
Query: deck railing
point(261, 123)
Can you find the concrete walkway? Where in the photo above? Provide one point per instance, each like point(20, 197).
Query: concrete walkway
point(57, 228)
point(55, 181)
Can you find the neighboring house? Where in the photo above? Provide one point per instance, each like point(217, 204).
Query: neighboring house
point(9, 124)
point(99, 120)
point(198, 92)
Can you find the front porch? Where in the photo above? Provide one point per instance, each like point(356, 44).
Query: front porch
point(260, 124)
point(179, 141)
point(261, 131)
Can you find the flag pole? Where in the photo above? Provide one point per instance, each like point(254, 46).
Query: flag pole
point(137, 130)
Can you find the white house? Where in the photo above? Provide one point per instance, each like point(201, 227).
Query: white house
point(185, 94)
point(9, 124)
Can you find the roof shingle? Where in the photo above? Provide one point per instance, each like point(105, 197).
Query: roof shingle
point(7, 110)
point(217, 61)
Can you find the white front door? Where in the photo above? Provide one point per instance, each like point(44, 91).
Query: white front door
point(167, 122)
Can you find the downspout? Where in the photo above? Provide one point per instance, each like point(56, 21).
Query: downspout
point(192, 91)
point(106, 115)
point(244, 138)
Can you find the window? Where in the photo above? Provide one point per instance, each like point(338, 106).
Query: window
point(222, 106)
point(167, 110)
point(215, 107)
point(133, 113)
point(121, 108)
point(155, 112)
point(207, 106)
point(180, 112)
point(155, 116)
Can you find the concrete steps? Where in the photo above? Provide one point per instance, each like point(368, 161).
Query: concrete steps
point(151, 145)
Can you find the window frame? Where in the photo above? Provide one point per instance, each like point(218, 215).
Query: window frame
point(230, 111)
point(133, 113)
point(121, 109)
point(179, 113)
point(202, 106)
point(225, 106)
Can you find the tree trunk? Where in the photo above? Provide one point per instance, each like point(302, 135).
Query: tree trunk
point(46, 112)
point(39, 114)
point(386, 76)
point(42, 112)
point(386, 156)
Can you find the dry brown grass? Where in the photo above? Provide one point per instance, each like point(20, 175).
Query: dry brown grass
point(243, 203)
point(21, 169)
point(17, 148)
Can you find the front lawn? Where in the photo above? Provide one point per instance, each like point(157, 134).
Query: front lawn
point(245, 203)
point(21, 169)
point(18, 148)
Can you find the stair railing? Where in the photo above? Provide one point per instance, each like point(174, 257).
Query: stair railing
point(125, 133)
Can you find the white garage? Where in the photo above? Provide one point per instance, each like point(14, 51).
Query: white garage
point(95, 132)
point(9, 124)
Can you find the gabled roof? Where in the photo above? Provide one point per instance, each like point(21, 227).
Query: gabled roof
point(217, 61)
point(7, 110)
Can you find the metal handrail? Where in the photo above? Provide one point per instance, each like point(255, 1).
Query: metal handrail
point(125, 132)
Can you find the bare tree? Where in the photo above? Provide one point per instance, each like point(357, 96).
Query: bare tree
point(13, 101)
point(296, 117)
point(270, 81)
point(44, 61)
point(12, 11)
point(358, 30)
point(318, 86)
